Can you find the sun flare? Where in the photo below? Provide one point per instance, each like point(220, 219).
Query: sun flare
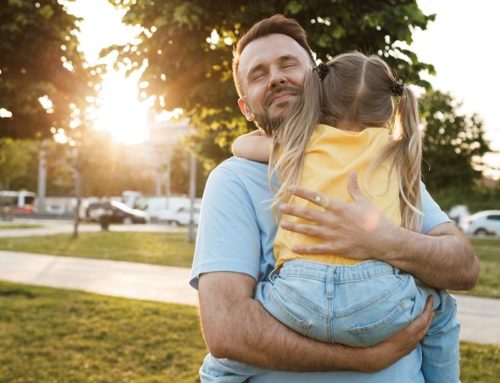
point(120, 112)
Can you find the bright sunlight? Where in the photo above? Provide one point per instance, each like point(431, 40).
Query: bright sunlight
point(118, 111)
point(121, 114)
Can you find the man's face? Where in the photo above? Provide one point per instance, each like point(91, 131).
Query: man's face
point(271, 73)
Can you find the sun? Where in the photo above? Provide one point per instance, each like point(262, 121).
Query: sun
point(120, 113)
point(118, 110)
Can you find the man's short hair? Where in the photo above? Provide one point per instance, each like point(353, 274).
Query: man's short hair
point(276, 24)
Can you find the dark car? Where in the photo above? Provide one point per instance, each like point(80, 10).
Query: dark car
point(118, 213)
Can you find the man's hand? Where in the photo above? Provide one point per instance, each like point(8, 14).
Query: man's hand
point(391, 350)
point(356, 230)
point(443, 258)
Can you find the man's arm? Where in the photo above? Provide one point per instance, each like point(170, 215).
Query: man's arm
point(237, 327)
point(443, 258)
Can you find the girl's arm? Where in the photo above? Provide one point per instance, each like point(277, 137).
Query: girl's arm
point(255, 146)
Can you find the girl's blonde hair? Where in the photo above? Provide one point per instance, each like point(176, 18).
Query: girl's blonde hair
point(357, 89)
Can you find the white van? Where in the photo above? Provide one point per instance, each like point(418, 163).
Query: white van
point(17, 202)
point(174, 209)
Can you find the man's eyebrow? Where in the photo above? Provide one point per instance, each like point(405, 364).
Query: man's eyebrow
point(255, 69)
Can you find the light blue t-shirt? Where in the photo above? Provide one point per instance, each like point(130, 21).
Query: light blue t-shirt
point(236, 233)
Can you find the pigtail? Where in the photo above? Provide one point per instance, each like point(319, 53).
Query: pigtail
point(406, 150)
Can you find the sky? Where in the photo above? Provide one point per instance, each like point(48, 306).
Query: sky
point(460, 44)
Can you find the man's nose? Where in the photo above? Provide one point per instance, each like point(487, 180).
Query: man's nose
point(276, 78)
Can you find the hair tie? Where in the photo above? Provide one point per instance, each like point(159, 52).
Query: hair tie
point(397, 88)
point(321, 70)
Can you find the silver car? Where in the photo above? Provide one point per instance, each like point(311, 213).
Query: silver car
point(483, 223)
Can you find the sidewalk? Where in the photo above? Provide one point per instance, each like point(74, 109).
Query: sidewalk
point(480, 317)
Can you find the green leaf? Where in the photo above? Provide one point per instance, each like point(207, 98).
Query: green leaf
point(293, 7)
point(47, 12)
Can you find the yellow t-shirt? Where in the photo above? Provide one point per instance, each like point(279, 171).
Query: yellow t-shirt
point(331, 156)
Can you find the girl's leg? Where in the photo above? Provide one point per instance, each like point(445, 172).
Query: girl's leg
point(441, 344)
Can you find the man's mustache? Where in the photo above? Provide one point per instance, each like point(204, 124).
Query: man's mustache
point(295, 90)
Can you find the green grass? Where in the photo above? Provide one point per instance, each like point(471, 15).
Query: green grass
point(52, 335)
point(156, 248)
point(488, 251)
point(479, 363)
point(10, 226)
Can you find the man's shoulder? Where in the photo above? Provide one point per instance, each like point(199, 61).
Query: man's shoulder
point(239, 169)
point(237, 165)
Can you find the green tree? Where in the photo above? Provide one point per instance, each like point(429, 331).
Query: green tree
point(186, 47)
point(453, 145)
point(39, 59)
point(16, 156)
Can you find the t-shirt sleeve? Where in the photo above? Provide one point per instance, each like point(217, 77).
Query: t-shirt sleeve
point(433, 215)
point(228, 236)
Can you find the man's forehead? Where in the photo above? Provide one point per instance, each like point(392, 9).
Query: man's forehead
point(268, 49)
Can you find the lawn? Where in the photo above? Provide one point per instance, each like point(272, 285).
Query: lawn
point(488, 251)
point(172, 249)
point(169, 249)
point(11, 226)
point(52, 335)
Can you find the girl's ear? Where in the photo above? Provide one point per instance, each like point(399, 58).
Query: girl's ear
point(244, 109)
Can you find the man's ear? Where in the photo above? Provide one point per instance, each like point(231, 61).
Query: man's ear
point(244, 109)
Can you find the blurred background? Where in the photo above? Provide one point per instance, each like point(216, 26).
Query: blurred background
point(133, 101)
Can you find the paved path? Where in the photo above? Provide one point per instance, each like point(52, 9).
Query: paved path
point(480, 317)
point(121, 279)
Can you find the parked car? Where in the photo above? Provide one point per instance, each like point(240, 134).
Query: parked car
point(172, 209)
point(483, 223)
point(119, 212)
point(180, 215)
point(184, 214)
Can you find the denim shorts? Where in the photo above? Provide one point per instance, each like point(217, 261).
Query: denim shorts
point(358, 305)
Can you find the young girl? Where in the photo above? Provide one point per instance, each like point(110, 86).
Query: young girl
point(346, 122)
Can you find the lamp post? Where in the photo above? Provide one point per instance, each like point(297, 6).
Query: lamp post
point(42, 176)
point(192, 196)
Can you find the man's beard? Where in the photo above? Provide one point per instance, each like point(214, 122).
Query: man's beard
point(271, 124)
point(268, 124)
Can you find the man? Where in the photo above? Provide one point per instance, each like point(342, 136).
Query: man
point(236, 232)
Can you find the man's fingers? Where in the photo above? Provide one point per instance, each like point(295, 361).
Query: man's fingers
point(316, 249)
point(422, 323)
point(306, 229)
point(428, 314)
point(318, 199)
point(304, 212)
point(354, 189)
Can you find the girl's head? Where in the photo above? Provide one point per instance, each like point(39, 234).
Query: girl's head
point(355, 92)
